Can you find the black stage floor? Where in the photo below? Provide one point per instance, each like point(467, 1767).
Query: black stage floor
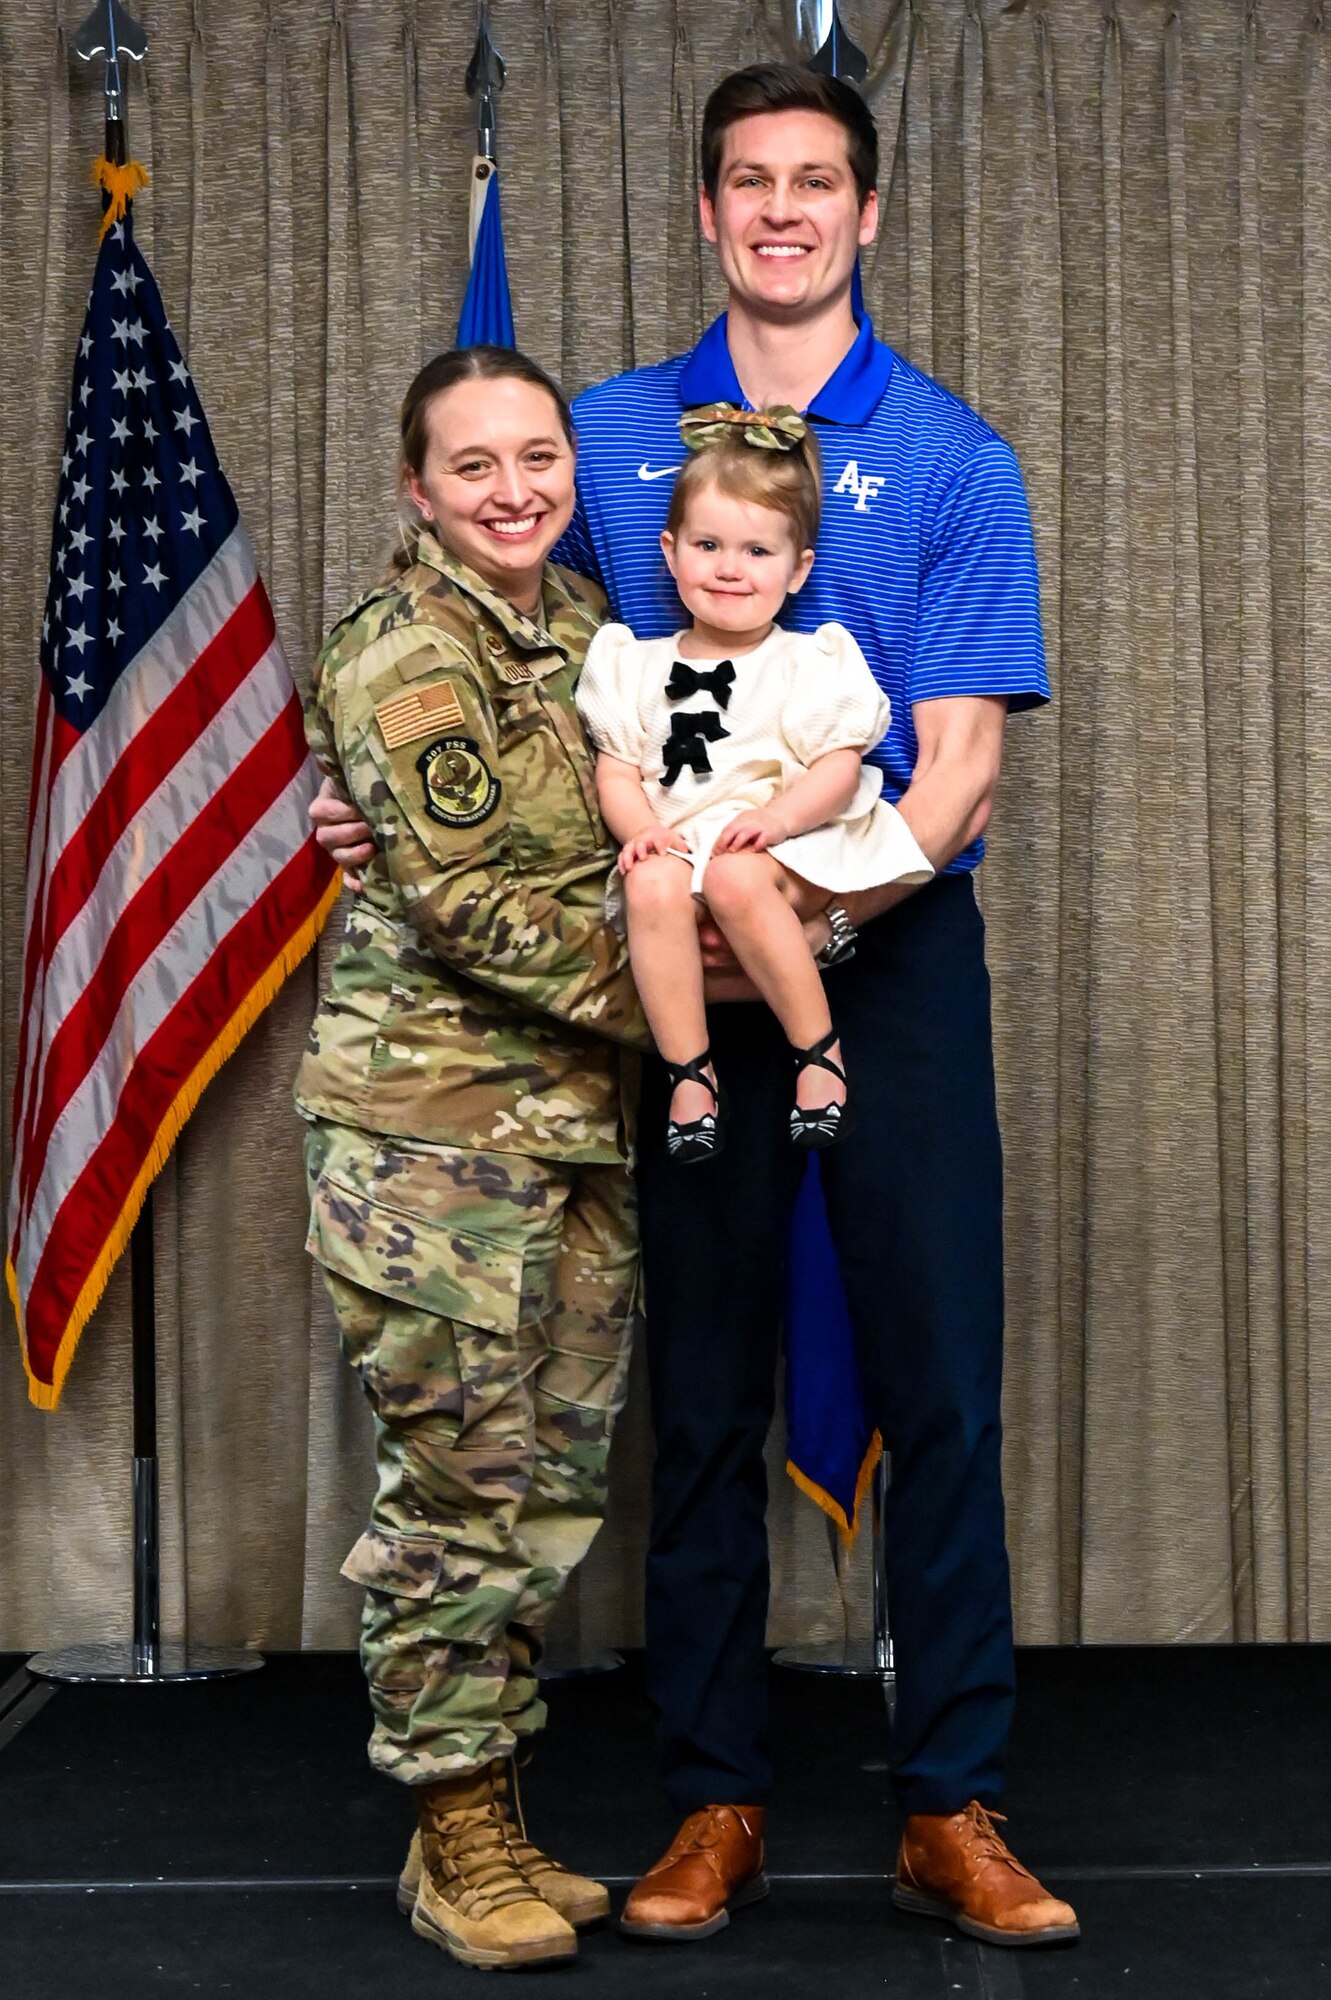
point(230, 1839)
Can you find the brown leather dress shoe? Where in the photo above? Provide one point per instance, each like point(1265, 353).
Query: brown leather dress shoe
point(956, 1866)
point(713, 1865)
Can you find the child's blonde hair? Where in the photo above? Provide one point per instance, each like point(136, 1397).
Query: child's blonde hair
point(768, 457)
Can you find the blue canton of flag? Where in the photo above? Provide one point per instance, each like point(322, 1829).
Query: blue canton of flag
point(172, 878)
point(142, 508)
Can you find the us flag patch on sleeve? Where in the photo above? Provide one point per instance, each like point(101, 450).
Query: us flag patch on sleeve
point(418, 712)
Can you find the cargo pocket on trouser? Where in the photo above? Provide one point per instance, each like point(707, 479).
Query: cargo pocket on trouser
point(440, 1700)
point(430, 1315)
point(582, 1379)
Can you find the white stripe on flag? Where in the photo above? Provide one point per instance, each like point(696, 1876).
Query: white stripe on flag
point(154, 672)
point(34, 913)
point(190, 946)
point(156, 827)
point(149, 678)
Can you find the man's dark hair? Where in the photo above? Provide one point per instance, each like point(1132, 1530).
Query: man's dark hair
point(786, 87)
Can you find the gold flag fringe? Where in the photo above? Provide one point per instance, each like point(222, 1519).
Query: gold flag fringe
point(46, 1395)
point(120, 184)
point(832, 1508)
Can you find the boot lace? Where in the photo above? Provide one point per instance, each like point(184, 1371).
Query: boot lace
point(508, 1799)
point(982, 1837)
point(473, 1849)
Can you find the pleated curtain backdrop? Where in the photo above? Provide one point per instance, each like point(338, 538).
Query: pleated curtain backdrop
point(1110, 227)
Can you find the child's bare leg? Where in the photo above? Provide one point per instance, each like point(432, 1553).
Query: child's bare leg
point(667, 969)
point(747, 896)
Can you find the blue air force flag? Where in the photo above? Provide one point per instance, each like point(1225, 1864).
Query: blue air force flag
point(831, 1444)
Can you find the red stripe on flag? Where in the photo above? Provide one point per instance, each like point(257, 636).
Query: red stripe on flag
point(38, 805)
point(202, 848)
point(153, 753)
point(63, 740)
point(70, 875)
point(96, 1202)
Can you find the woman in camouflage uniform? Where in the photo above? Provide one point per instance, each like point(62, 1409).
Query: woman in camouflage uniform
point(471, 1207)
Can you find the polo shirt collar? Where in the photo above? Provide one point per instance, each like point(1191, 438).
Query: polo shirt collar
point(850, 395)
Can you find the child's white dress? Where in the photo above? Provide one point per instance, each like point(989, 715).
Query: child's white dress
point(713, 738)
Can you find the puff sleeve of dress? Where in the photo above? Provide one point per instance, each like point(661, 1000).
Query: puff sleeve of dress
point(609, 694)
point(833, 702)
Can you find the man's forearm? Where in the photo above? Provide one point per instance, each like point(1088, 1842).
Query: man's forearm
point(942, 832)
point(948, 801)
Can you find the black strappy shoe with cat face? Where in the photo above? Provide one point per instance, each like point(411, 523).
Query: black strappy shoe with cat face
point(824, 1125)
point(699, 1138)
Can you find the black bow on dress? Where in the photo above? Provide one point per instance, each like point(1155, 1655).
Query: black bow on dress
point(687, 744)
point(685, 680)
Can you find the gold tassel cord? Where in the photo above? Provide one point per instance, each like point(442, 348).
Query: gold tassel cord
point(120, 185)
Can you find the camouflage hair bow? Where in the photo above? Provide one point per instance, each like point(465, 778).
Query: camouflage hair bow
point(779, 429)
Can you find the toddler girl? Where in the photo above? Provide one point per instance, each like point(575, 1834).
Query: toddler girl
point(730, 768)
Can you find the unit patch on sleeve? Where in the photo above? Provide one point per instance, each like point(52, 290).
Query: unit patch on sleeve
point(460, 788)
point(418, 712)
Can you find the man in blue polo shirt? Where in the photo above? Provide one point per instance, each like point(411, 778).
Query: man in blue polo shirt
point(925, 553)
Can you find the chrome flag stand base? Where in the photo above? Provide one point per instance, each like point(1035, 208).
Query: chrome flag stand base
point(863, 1659)
point(145, 1658)
point(130, 1663)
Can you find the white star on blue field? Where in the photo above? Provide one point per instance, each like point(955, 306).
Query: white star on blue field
point(142, 506)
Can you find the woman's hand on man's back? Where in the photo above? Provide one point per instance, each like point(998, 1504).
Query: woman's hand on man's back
point(341, 832)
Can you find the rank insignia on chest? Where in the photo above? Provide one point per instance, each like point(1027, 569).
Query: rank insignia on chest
point(418, 712)
point(458, 785)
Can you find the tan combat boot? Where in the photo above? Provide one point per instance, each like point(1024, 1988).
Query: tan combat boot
point(578, 1899)
point(472, 1898)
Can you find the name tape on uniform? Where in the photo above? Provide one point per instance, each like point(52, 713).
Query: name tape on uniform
point(418, 712)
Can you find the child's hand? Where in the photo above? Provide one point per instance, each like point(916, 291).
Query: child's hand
point(750, 833)
point(652, 840)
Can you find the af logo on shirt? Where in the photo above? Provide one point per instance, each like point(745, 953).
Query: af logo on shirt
point(865, 486)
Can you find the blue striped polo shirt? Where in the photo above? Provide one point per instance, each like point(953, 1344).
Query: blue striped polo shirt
point(925, 550)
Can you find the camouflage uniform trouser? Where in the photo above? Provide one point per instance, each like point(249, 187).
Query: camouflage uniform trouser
point(487, 1303)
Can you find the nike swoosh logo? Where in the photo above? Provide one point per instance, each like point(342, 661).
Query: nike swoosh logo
point(645, 471)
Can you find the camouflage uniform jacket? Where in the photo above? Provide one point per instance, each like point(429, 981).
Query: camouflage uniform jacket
point(478, 995)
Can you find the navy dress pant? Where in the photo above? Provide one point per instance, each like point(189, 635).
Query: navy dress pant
point(914, 1192)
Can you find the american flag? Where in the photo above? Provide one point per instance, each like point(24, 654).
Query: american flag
point(172, 880)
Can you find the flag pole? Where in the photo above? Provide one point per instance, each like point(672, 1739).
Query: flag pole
point(857, 1657)
point(147, 1617)
point(110, 32)
point(487, 317)
point(835, 54)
